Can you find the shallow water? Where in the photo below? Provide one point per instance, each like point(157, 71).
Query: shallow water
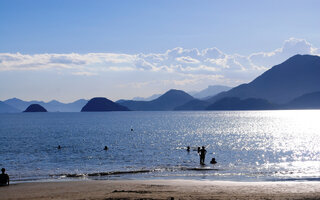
point(248, 145)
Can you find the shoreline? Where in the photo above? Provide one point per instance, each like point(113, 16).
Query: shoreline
point(161, 189)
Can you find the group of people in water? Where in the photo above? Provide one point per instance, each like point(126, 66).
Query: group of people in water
point(202, 153)
point(4, 178)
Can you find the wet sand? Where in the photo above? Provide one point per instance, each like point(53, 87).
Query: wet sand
point(161, 189)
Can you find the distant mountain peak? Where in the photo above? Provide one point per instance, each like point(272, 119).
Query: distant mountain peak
point(54, 101)
point(14, 99)
point(102, 104)
point(174, 94)
point(168, 101)
point(174, 91)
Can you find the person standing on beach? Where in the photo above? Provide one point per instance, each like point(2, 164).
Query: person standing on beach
point(4, 178)
point(202, 154)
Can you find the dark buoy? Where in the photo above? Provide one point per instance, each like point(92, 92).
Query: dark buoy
point(105, 148)
point(213, 161)
point(132, 129)
point(59, 147)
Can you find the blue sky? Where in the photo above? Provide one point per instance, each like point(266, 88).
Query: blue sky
point(67, 50)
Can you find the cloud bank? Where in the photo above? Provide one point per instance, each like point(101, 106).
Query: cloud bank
point(189, 65)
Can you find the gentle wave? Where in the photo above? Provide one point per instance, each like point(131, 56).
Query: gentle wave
point(103, 173)
point(111, 173)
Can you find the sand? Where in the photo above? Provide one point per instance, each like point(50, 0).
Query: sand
point(161, 189)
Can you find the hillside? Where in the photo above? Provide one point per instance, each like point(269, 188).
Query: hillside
point(234, 103)
point(211, 91)
point(150, 98)
point(282, 83)
point(5, 108)
point(195, 104)
point(167, 101)
point(101, 104)
point(306, 101)
point(52, 106)
point(35, 108)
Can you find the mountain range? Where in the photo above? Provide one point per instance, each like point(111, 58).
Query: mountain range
point(293, 84)
point(5, 108)
point(152, 97)
point(282, 83)
point(210, 91)
point(101, 104)
point(167, 101)
point(306, 101)
point(279, 86)
point(52, 106)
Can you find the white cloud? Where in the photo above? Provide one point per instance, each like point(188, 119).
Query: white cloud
point(84, 73)
point(290, 47)
point(187, 59)
point(178, 61)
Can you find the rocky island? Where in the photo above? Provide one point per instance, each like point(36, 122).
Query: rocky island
point(35, 108)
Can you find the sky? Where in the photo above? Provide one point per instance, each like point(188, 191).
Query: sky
point(67, 50)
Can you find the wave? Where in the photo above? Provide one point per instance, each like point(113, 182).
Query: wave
point(296, 179)
point(199, 169)
point(111, 173)
point(103, 173)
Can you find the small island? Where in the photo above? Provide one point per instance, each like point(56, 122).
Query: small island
point(101, 104)
point(35, 108)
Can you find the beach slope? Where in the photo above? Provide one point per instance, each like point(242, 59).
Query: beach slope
point(161, 189)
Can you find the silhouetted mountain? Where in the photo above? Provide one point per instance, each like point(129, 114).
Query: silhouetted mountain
point(35, 108)
point(211, 91)
point(306, 101)
point(52, 106)
point(5, 108)
point(101, 104)
point(282, 83)
point(234, 103)
point(195, 104)
point(167, 101)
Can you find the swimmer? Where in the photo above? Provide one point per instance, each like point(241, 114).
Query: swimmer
point(213, 161)
point(188, 148)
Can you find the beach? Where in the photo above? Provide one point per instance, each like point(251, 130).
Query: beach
point(160, 189)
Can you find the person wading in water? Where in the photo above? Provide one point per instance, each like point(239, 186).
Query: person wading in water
point(202, 154)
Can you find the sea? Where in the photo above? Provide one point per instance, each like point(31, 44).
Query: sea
point(280, 145)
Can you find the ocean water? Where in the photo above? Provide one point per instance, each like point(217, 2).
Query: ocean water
point(248, 145)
